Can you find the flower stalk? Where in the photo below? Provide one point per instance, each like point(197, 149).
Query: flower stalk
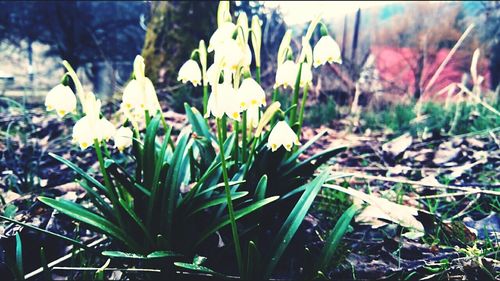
point(295, 101)
point(234, 229)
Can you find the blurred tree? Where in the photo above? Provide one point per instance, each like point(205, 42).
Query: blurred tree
point(78, 31)
point(425, 28)
point(489, 17)
point(173, 32)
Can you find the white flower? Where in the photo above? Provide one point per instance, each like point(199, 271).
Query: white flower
point(212, 76)
point(84, 132)
point(123, 138)
point(253, 117)
point(91, 127)
point(106, 129)
point(251, 94)
point(190, 72)
point(247, 56)
point(306, 75)
point(282, 135)
point(140, 93)
point(224, 32)
point(326, 50)
point(223, 100)
point(230, 55)
point(61, 99)
point(286, 74)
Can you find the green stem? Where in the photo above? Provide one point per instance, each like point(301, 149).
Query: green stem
point(244, 138)
point(295, 101)
point(275, 98)
point(252, 152)
point(224, 125)
point(302, 107)
point(257, 74)
point(148, 117)
point(205, 99)
point(236, 141)
point(107, 182)
point(220, 130)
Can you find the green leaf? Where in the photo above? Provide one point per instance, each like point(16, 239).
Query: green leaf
point(56, 235)
point(79, 213)
point(79, 171)
point(303, 148)
point(19, 257)
point(163, 254)
point(293, 221)
point(260, 191)
point(175, 175)
point(153, 198)
point(310, 164)
point(97, 200)
point(335, 237)
point(238, 214)
point(199, 269)
point(150, 151)
point(253, 262)
point(217, 201)
point(153, 255)
point(198, 123)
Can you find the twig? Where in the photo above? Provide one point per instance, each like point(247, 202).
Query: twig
point(62, 259)
point(106, 269)
point(411, 182)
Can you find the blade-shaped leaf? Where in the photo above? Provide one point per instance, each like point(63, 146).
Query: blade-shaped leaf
point(217, 201)
point(238, 214)
point(198, 123)
point(335, 237)
point(153, 255)
point(293, 221)
point(78, 213)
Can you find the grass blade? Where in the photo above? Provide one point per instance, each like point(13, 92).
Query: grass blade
point(238, 214)
point(293, 222)
point(79, 213)
point(335, 237)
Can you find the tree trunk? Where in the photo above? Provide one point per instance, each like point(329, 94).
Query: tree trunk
point(173, 32)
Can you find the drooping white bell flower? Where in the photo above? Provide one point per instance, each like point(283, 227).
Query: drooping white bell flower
point(282, 135)
point(106, 129)
point(251, 94)
point(306, 75)
point(326, 50)
point(230, 55)
point(223, 100)
point(223, 33)
point(61, 99)
point(84, 132)
point(212, 76)
point(190, 72)
point(123, 138)
point(286, 74)
point(140, 93)
point(247, 56)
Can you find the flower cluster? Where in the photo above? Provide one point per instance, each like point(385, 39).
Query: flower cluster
point(139, 97)
point(233, 90)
